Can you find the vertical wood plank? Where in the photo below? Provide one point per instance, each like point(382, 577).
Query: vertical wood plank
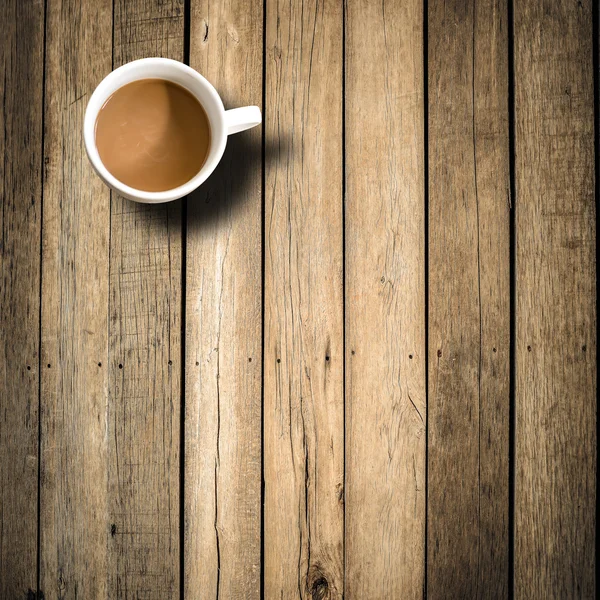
point(224, 323)
point(385, 301)
point(145, 352)
point(469, 300)
point(492, 176)
point(21, 74)
point(303, 350)
point(74, 528)
point(556, 308)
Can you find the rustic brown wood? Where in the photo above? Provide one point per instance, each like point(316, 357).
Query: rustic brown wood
point(385, 301)
point(469, 300)
point(74, 526)
point(224, 323)
point(492, 164)
point(556, 309)
point(145, 353)
point(111, 309)
point(21, 73)
point(303, 349)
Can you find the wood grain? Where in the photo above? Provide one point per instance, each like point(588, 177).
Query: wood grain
point(145, 353)
point(303, 347)
point(224, 323)
point(385, 301)
point(21, 73)
point(469, 300)
point(113, 289)
point(73, 520)
point(556, 309)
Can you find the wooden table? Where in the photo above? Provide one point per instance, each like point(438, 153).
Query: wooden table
point(359, 362)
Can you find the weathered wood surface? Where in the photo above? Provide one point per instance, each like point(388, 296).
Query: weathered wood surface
point(145, 363)
point(21, 73)
point(74, 526)
point(222, 507)
point(556, 406)
point(385, 301)
point(356, 282)
point(469, 300)
point(303, 345)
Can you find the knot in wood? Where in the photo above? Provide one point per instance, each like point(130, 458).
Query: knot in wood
point(320, 589)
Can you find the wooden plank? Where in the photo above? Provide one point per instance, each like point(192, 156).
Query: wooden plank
point(469, 300)
point(556, 308)
point(224, 323)
point(492, 164)
point(303, 348)
point(74, 527)
point(21, 73)
point(385, 301)
point(145, 352)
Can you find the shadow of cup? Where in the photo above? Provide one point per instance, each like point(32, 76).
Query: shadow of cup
point(236, 181)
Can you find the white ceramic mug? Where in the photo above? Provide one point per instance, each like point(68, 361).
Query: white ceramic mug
point(222, 122)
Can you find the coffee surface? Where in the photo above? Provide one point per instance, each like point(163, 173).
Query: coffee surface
point(153, 135)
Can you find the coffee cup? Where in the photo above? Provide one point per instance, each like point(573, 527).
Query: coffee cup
point(222, 122)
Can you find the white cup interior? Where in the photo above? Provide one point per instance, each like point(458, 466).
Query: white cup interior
point(171, 70)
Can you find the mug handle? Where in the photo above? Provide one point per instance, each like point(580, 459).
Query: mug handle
point(240, 119)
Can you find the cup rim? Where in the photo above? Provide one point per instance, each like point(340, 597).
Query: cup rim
point(133, 193)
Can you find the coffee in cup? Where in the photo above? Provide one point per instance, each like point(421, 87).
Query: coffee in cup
point(153, 135)
point(155, 129)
